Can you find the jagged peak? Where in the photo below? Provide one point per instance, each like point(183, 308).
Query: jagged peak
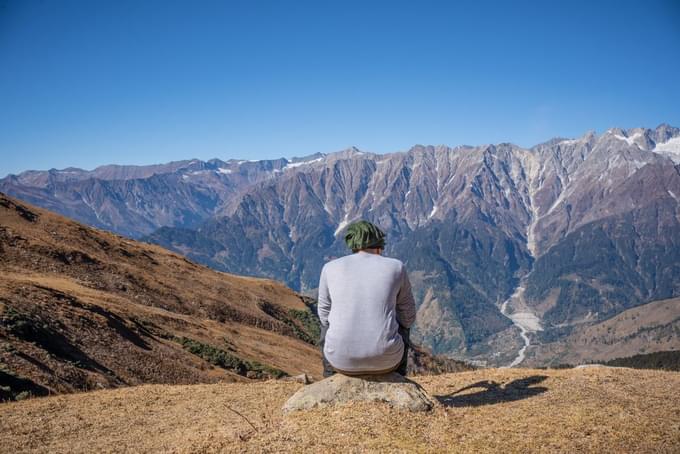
point(664, 132)
point(663, 128)
point(421, 147)
point(614, 131)
point(647, 139)
point(666, 126)
point(427, 149)
point(586, 138)
point(349, 152)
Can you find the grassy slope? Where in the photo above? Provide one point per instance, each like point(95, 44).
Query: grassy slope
point(84, 309)
point(647, 328)
point(576, 410)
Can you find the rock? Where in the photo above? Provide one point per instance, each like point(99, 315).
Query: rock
point(391, 388)
point(302, 378)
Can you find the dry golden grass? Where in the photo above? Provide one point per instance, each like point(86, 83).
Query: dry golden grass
point(577, 410)
point(99, 310)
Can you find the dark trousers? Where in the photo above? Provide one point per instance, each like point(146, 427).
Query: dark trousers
point(401, 369)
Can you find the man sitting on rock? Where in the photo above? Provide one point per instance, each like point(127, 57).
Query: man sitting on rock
point(366, 308)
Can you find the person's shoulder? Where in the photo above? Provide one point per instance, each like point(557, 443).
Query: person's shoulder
point(396, 263)
point(335, 262)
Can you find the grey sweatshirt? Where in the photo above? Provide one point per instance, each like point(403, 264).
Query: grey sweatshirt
point(363, 298)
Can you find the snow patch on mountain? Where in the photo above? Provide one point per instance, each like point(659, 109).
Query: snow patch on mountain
point(629, 140)
point(342, 225)
point(569, 141)
point(292, 165)
point(671, 148)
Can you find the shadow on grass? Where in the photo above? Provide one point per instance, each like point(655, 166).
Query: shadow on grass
point(11, 386)
point(494, 393)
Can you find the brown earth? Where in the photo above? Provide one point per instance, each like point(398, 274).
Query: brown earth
point(83, 309)
point(494, 410)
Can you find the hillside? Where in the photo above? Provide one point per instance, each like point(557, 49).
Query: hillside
point(651, 327)
point(502, 410)
point(84, 309)
point(136, 200)
point(666, 360)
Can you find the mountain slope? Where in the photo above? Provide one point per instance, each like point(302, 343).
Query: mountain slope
point(136, 200)
point(618, 261)
point(503, 410)
point(477, 227)
point(84, 309)
point(663, 360)
point(651, 327)
point(288, 227)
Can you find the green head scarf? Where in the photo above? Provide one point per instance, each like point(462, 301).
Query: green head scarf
point(364, 235)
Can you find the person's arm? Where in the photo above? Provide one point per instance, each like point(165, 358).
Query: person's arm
point(324, 300)
point(406, 305)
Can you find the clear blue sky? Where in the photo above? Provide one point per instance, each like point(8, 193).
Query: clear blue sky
point(137, 82)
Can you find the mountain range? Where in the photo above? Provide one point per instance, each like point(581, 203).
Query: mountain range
point(513, 252)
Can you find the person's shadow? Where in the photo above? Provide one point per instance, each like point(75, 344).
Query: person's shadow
point(494, 393)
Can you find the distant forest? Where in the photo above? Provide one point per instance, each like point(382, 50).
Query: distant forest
point(669, 360)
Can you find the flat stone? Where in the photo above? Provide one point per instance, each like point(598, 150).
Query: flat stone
point(302, 378)
point(391, 388)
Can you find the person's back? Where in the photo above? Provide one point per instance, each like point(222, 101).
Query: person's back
point(363, 300)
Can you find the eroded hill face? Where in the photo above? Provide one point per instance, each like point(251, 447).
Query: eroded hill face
point(83, 309)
